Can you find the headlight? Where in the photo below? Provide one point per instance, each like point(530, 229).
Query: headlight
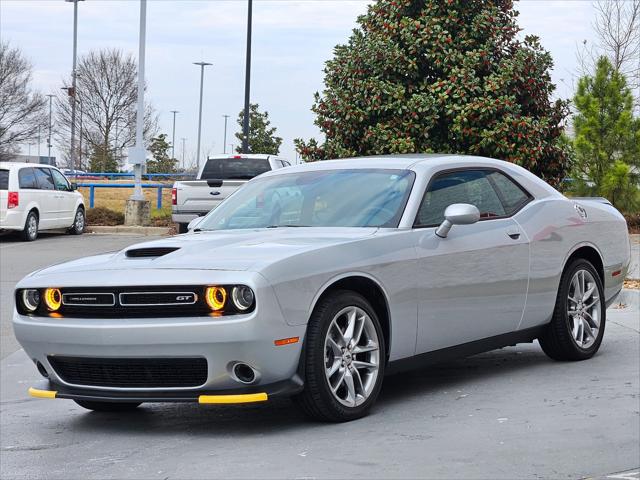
point(242, 297)
point(216, 297)
point(30, 299)
point(52, 299)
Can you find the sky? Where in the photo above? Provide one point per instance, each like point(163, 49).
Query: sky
point(291, 41)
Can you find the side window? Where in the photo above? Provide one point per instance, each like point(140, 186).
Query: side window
point(466, 186)
point(512, 195)
point(27, 178)
point(44, 179)
point(60, 182)
point(286, 164)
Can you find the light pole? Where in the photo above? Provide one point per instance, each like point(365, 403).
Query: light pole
point(247, 84)
point(139, 152)
point(183, 141)
point(49, 137)
point(173, 139)
point(72, 92)
point(202, 65)
point(224, 142)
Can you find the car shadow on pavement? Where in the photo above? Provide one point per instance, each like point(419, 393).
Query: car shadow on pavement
point(280, 414)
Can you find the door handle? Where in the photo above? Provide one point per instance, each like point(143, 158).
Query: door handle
point(514, 233)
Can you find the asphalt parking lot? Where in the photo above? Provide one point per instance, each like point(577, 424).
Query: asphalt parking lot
point(511, 413)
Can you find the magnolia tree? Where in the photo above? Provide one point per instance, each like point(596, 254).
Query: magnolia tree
point(441, 76)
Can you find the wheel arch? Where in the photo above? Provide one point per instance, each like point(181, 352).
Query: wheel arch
point(590, 252)
point(371, 289)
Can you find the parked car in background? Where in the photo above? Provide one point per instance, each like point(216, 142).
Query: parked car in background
point(218, 178)
point(316, 280)
point(36, 197)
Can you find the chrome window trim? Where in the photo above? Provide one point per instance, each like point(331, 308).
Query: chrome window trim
point(113, 297)
point(122, 304)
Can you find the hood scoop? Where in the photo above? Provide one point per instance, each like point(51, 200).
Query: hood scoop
point(150, 252)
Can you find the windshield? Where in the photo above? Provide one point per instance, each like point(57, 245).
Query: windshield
point(327, 198)
point(234, 168)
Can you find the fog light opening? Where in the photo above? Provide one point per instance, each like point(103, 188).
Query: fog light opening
point(42, 370)
point(244, 373)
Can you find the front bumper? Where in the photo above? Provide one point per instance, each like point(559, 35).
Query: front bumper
point(222, 341)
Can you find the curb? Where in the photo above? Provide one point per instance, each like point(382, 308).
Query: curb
point(128, 230)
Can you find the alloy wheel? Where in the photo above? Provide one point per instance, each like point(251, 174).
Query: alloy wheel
point(352, 356)
point(584, 309)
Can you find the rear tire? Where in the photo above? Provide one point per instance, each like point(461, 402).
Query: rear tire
point(579, 317)
point(182, 227)
point(79, 222)
point(344, 366)
point(108, 406)
point(30, 232)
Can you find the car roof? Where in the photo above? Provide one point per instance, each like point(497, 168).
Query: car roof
point(24, 164)
point(426, 164)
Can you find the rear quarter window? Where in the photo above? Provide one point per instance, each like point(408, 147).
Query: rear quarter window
point(27, 178)
point(4, 179)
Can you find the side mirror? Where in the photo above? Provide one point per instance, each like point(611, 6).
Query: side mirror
point(194, 223)
point(457, 214)
point(74, 186)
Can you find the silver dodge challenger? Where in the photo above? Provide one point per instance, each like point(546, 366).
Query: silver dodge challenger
point(317, 280)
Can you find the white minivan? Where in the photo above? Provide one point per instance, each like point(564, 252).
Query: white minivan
point(36, 197)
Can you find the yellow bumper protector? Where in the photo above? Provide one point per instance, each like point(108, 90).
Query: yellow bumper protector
point(246, 398)
point(34, 392)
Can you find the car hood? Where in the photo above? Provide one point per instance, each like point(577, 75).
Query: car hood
point(231, 250)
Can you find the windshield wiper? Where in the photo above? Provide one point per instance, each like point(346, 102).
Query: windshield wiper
point(287, 226)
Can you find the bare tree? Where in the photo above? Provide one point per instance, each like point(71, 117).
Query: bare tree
point(617, 26)
point(106, 94)
point(22, 110)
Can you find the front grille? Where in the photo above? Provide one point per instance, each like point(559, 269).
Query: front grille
point(132, 302)
point(131, 372)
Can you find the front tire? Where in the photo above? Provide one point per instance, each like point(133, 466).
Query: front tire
point(579, 317)
point(108, 406)
point(79, 222)
point(344, 359)
point(30, 232)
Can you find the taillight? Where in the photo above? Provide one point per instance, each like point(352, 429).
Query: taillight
point(13, 201)
point(174, 196)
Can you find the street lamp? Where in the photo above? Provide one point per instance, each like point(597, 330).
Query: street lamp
point(202, 65)
point(72, 91)
point(224, 142)
point(247, 84)
point(173, 138)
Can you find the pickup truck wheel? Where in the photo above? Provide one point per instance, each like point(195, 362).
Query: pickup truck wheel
point(182, 227)
point(108, 406)
point(578, 321)
point(344, 359)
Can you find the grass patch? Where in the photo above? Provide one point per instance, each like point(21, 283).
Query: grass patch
point(116, 198)
point(161, 218)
